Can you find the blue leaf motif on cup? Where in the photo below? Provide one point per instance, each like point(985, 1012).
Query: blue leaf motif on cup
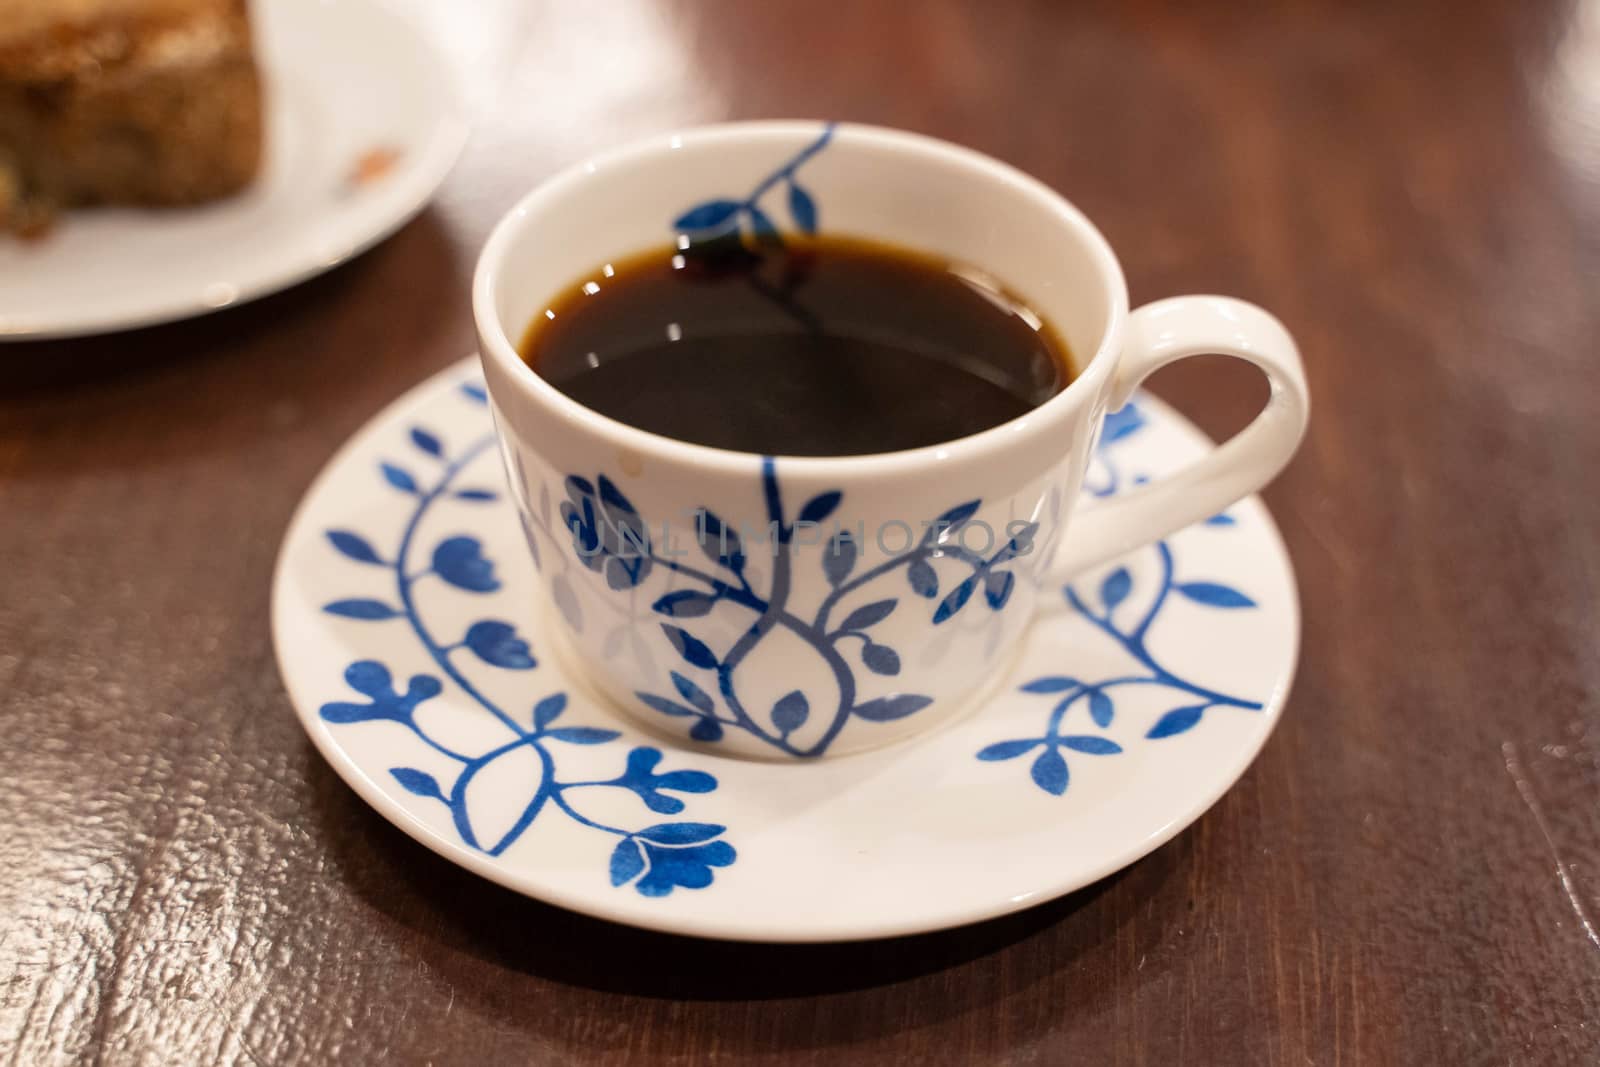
point(821, 506)
point(608, 535)
point(654, 858)
point(890, 708)
point(685, 604)
point(840, 558)
point(880, 659)
point(791, 712)
point(923, 578)
point(720, 542)
point(740, 224)
point(694, 651)
point(869, 615)
point(697, 697)
point(1049, 769)
point(955, 600)
point(802, 208)
point(997, 588)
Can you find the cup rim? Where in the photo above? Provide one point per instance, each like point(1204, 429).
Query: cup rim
point(496, 345)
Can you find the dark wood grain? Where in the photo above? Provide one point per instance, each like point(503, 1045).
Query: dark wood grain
point(1409, 874)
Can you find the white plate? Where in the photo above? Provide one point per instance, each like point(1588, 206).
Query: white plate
point(975, 820)
point(343, 78)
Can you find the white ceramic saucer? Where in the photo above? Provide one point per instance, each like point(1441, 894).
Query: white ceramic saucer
point(346, 81)
point(1138, 698)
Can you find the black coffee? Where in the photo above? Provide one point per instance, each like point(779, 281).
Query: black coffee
point(823, 347)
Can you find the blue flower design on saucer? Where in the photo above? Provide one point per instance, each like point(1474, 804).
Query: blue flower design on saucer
point(1048, 767)
point(655, 858)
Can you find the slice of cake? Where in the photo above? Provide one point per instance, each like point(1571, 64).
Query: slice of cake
point(151, 102)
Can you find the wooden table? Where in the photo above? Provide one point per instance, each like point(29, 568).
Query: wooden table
point(1409, 874)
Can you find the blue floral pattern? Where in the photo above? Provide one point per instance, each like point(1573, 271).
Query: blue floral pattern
point(654, 858)
point(1060, 737)
point(608, 534)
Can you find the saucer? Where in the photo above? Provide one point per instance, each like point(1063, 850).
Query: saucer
point(363, 123)
point(405, 620)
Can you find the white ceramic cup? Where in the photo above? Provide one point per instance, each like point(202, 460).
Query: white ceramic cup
point(797, 607)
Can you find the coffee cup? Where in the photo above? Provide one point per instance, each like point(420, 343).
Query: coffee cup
point(801, 607)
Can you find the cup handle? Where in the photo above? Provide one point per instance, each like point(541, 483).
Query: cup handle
point(1162, 333)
